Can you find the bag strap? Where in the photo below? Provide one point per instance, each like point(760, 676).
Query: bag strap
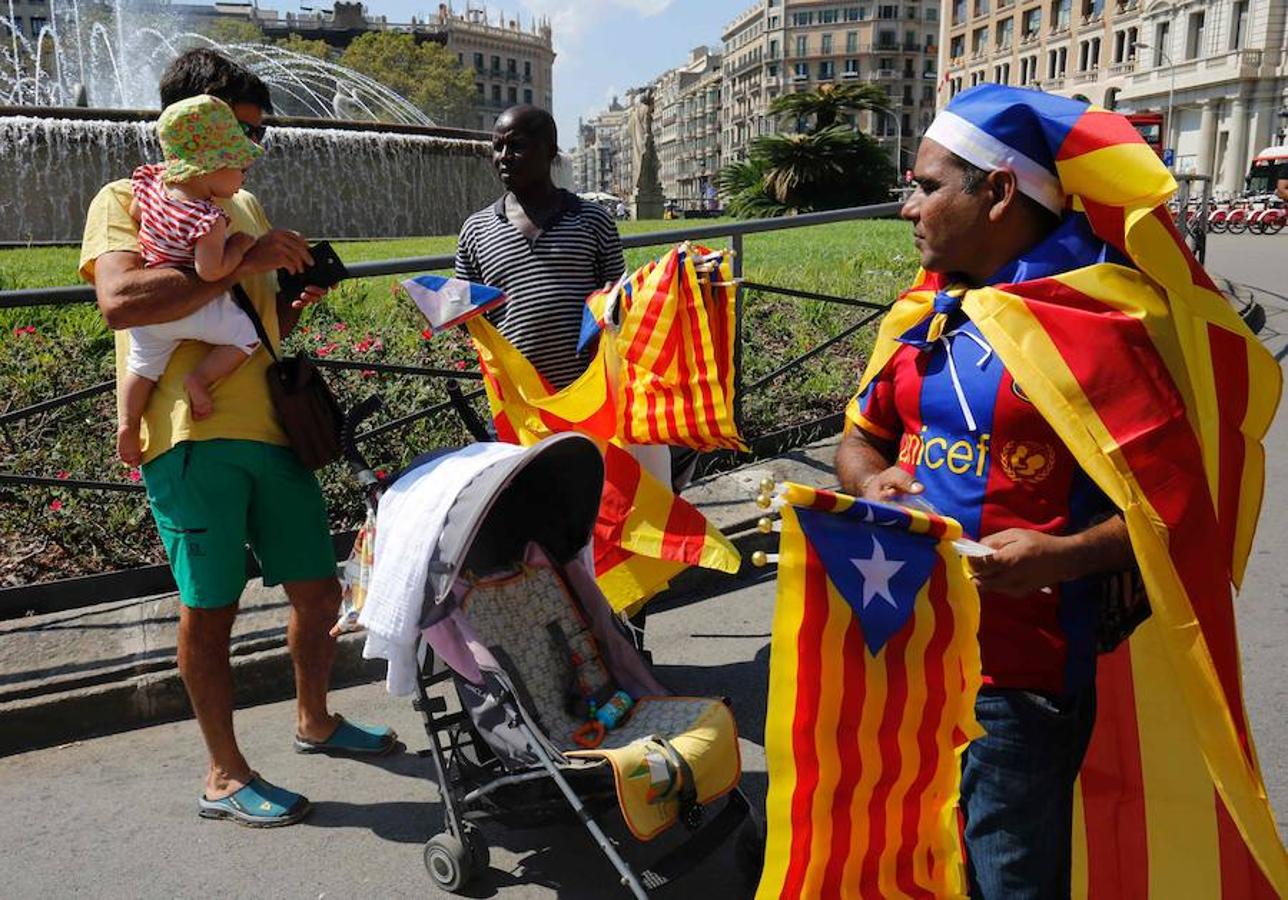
point(243, 301)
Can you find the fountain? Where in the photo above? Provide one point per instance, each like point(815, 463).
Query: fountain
point(348, 157)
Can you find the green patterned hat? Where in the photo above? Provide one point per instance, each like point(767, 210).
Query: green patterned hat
point(201, 135)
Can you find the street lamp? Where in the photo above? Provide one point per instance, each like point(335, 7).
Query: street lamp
point(1171, 86)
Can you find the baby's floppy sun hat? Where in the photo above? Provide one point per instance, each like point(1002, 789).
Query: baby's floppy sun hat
point(201, 135)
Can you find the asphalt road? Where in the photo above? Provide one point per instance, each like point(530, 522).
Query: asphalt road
point(116, 816)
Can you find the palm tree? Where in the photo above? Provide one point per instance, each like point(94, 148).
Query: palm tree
point(828, 102)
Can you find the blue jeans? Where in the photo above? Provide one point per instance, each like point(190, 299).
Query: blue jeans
point(1017, 792)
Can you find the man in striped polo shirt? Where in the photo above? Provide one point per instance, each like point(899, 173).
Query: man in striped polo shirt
point(543, 246)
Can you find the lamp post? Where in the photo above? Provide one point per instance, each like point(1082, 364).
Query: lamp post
point(1171, 85)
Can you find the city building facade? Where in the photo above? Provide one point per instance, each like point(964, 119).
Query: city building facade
point(685, 132)
point(1216, 70)
point(778, 46)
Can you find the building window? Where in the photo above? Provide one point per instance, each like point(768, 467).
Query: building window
point(512, 67)
point(932, 15)
point(478, 87)
point(1162, 33)
point(1239, 27)
point(1120, 46)
point(478, 62)
point(979, 40)
point(37, 23)
point(496, 95)
point(852, 42)
point(851, 68)
point(889, 12)
point(773, 49)
point(512, 95)
point(1092, 9)
point(1032, 23)
point(1060, 11)
point(802, 45)
point(827, 44)
point(826, 70)
point(957, 46)
point(1005, 29)
point(802, 71)
point(496, 64)
point(527, 70)
point(887, 41)
point(1193, 35)
point(959, 11)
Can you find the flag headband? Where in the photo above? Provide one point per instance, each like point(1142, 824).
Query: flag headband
point(979, 148)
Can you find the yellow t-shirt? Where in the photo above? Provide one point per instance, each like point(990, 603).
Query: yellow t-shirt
point(243, 409)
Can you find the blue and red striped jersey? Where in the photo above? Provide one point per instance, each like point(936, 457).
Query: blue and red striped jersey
point(988, 459)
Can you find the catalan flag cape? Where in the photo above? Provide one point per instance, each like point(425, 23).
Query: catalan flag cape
point(873, 671)
point(1150, 378)
point(672, 330)
point(645, 534)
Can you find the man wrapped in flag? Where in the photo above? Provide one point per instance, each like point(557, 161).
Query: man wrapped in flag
point(1066, 381)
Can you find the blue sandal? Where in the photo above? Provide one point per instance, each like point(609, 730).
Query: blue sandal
point(351, 739)
point(257, 805)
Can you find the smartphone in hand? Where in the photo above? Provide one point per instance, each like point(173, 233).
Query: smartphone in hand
point(327, 271)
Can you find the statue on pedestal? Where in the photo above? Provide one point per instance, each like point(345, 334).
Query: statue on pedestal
point(647, 198)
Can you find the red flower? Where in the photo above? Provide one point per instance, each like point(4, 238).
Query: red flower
point(427, 333)
point(363, 345)
point(323, 351)
point(460, 365)
point(64, 474)
point(381, 473)
point(24, 329)
point(368, 373)
point(55, 505)
point(134, 475)
point(339, 326)
point(378, 345)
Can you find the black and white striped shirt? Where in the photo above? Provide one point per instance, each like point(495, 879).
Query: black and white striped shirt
point(546, 280)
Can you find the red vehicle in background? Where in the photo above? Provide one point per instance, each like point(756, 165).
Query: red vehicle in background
point(1150, 127)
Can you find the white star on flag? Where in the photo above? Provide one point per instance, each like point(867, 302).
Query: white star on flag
point(876, 573)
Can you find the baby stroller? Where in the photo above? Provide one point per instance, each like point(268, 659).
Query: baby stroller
point(542, 670)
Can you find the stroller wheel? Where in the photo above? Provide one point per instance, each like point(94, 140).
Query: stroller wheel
point(449, 862)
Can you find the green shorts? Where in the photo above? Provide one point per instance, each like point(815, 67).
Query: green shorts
point(212, 498)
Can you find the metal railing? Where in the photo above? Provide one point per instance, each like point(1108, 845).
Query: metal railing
point(54, 596)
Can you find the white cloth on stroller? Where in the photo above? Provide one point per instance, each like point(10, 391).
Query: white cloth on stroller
point(411, 516)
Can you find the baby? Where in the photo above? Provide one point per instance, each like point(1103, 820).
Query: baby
point(180, 225)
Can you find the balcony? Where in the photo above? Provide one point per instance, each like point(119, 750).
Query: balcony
point(1087, 76)
point(1122, 68)
point(1029, 39)
point(1060, 28)
point(887, 73)
point(849, 76)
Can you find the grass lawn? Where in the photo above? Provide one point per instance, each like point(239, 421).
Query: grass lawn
point(51, 532)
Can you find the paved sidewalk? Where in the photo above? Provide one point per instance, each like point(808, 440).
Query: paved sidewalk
point(70, 675)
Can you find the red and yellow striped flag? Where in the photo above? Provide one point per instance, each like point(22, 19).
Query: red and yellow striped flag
point(673, 349)
point(873, 672)
point(1163, 396)
point(645, 534)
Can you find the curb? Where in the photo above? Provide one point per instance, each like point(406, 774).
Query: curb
point(151, 697)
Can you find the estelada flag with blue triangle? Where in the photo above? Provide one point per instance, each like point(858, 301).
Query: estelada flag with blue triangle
point(873, 671)
point(447, 302)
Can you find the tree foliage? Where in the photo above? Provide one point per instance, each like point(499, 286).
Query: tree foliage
point(425, 73)
point(297, 44)
point(790, 173)
point(232, 31)
point(826, 104)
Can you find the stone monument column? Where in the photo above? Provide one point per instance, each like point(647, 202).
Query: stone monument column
point(1207, 139)
point(1236, 148)
point(646, 199)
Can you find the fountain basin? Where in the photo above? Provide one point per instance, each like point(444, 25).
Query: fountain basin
point(323, 178)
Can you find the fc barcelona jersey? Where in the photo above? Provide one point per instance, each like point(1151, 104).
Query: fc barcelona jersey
point(987, 458)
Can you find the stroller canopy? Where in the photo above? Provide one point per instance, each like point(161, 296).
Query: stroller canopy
point(548, 493)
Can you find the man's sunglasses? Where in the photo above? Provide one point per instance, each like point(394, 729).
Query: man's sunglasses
point(254, 132)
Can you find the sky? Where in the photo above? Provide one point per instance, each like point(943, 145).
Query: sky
point(602, 47)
